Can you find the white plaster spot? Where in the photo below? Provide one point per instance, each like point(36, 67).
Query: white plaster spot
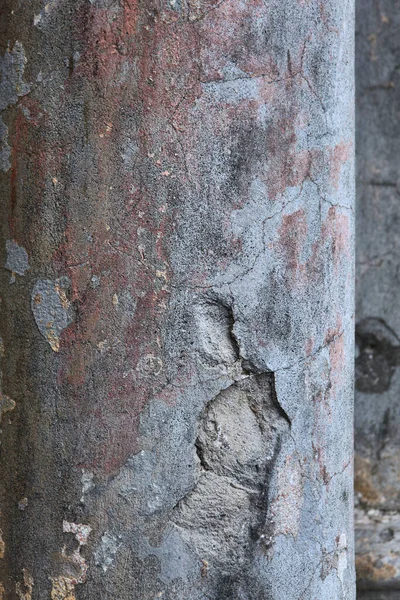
point(80, 531)
point(342, 557)
point(63, 586)
point(87, 483)
point(23, 503)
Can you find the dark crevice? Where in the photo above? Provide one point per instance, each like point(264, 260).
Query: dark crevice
point(230, 317)
point(262, 531)
point(200, 453)
point(278, 406)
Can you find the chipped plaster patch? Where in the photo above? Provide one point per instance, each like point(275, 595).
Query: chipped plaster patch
point(63, 586)
point(52, 309)
point(106, 551)
point(6, 405)
point(87, 483)
point(17, 259)
point(28, 584)
point(80, 531)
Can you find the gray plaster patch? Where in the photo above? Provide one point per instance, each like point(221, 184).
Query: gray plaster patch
point(105, 553)
point(5, 150)
point(17, 258)
point(12, 87)
point(41, 18)
point(12, 66)
point(177, 559)
point(51, 308)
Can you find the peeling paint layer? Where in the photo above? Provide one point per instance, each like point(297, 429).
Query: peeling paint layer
point(52, 309)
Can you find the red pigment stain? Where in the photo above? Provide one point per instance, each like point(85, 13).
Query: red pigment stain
point(337, 229)
point(319, 454)
point(326, 21)
point(292, 236)
point(333, 246)
point(30, 130)
point(309, 346)
point(337, 354)
point(338, 156)
point(126, 256)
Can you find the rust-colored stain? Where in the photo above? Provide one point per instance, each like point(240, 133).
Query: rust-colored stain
point(52, 338)
point(24, 590)
point(2, 545)
point(62, 588)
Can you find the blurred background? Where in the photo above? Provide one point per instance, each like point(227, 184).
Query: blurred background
point(377, 409)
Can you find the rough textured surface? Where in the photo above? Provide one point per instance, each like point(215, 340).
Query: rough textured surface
point(180, 349)
point(377, 413)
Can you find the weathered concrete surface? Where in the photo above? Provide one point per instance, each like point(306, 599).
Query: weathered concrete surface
point(179, 352)
point(377, 418)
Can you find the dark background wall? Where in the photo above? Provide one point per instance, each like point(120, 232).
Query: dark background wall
point(377, 413)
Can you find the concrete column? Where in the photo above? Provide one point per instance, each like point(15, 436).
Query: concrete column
point(177, 300)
